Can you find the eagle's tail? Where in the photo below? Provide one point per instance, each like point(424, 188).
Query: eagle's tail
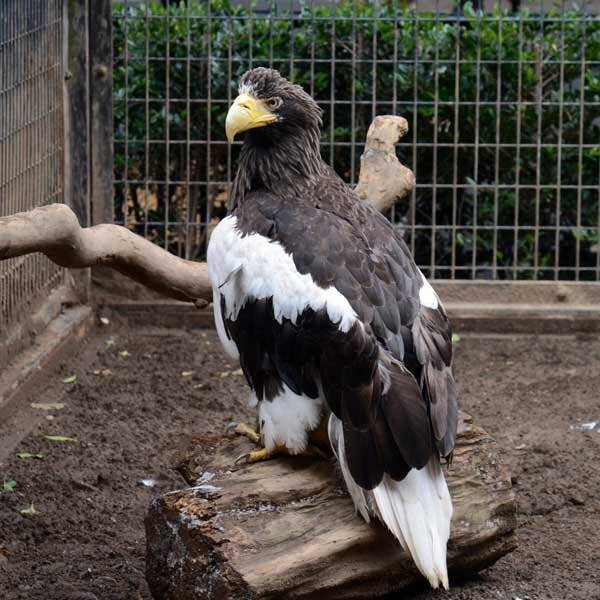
point(417, 509)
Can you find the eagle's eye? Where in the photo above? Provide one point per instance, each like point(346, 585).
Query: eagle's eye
point(273, 103)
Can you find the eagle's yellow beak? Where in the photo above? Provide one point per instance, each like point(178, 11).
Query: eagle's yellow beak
point(246, 113)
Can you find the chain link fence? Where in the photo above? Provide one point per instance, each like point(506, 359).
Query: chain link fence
point(31, 138)
point(503, 108)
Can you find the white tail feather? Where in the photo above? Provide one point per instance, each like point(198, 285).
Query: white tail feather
point(417, 510)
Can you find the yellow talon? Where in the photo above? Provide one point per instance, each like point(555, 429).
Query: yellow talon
point(262, 454)
point(247, 431)
point(318, 444)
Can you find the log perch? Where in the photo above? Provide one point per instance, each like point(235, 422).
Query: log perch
point(286, 528)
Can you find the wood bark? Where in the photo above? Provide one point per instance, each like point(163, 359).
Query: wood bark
point(286, 528)
point(55, 230)
point(379, 165)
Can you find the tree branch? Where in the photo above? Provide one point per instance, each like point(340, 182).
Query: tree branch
point(55, 231)
point(383, 179)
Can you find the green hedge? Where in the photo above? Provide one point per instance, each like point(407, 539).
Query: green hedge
point(488, 46)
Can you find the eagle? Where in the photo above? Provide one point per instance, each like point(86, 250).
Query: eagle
point(336, 329)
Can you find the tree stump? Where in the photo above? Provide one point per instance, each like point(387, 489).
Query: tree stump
point(286, 528)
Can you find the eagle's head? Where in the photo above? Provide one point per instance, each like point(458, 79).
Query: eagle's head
point(281, 123)
point(269, 101)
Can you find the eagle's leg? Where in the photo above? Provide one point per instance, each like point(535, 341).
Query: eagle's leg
point(278, 450)
point(262, 454)
point(318, 443)
point(254, 436)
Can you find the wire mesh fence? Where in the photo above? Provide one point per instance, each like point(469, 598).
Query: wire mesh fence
point(504, 111)
point(31, 136)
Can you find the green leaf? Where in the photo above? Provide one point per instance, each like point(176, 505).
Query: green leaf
point(70, 379)
point(124, 353)
point(28, 455)
point(30, 510)
point(61, 438)
point(9, 486)
point(455, 338)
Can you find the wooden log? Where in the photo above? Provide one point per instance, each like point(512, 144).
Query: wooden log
point(286, 528)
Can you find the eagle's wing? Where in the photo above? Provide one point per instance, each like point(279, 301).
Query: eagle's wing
point(385, 370)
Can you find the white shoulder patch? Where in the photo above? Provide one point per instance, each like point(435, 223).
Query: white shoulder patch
point(252, 266)
point(427, 295)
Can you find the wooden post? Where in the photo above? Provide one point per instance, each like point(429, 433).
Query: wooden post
point(101, 117)
point(77, 109)
point(76, 124)
point(286, 528)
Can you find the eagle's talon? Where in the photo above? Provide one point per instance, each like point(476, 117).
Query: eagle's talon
point(241, 457)
point(261, 454)
point(245, 430)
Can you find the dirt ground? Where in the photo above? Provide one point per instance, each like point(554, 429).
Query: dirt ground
point(152, 387)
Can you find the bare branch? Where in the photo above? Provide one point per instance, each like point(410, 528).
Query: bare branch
point(383, 179)
point(55, 231)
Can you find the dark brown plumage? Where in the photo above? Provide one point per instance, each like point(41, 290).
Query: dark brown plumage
point(389, 377)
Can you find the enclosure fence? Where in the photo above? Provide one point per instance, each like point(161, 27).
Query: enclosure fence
point(503, 109)
point(31, 137)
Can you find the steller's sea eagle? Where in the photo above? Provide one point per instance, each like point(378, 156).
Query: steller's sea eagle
point(333, 322)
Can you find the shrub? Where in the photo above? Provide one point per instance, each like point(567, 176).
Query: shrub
point(520, 81)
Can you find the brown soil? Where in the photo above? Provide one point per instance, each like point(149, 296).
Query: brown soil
point(86, 540)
